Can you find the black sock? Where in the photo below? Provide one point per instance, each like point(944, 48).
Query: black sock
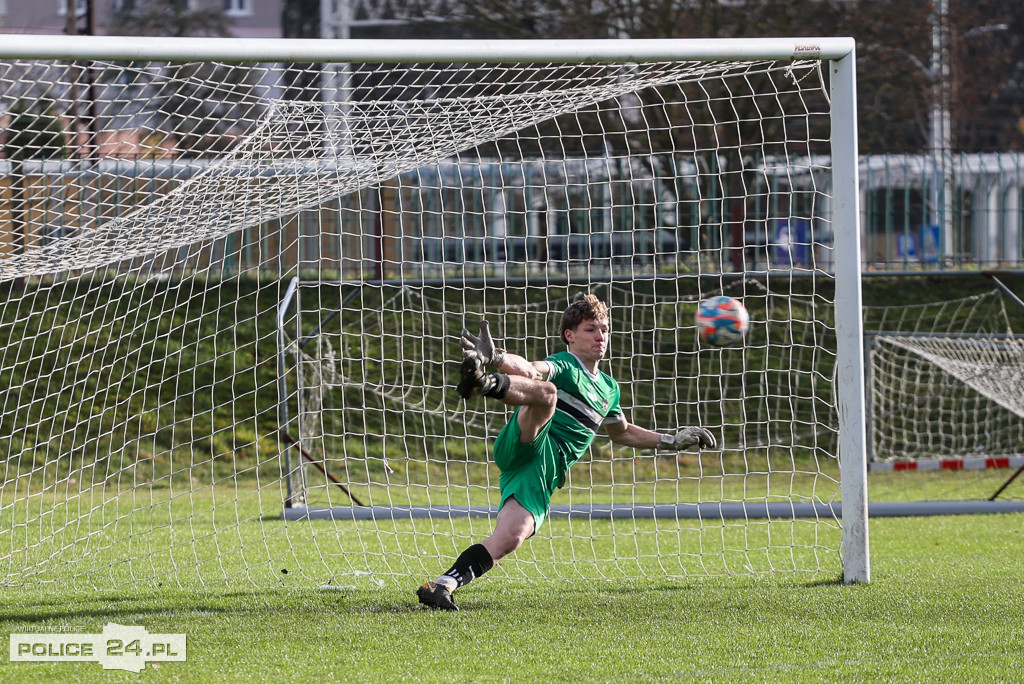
point(471, 563)
point(496, 385)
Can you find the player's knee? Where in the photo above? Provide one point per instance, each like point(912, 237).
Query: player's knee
point(501, 544)
point(549, 394)
point(508, 537)
point(513, 541)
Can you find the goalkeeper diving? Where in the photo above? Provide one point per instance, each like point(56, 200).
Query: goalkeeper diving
point(561, 403)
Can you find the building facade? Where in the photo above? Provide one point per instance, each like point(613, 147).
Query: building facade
point(245, 18)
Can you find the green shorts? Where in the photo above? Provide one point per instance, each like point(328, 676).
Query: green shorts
point(529, 472)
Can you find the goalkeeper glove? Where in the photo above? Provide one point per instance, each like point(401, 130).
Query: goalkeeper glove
point(483, 345)
point(687, 437)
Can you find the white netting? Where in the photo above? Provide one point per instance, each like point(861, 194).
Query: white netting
point(947, 380)
point(992, 367)
point(169, 394)
point(769, 401)
point(288, 155)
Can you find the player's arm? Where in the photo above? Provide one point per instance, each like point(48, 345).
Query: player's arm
point(637, 437)
point(513, 364)
point(498, 359)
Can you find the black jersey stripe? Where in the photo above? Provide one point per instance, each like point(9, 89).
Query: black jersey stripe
point(579, 416)
point(581, 405)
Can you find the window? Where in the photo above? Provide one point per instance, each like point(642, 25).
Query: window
point(237, 8)
point(81, 7)
point(133, 6)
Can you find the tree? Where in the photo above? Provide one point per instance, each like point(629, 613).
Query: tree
point(894, 48)
point(896, 84)
point(169, 18)
point(987, 84)
point(732, 111)
point(189, 99)
point(300, 19)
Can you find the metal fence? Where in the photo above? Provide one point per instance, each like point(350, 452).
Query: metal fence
point(919, 212)
point(653, 212)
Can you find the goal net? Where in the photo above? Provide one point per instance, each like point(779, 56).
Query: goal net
point(946, 404)
point(234, 285)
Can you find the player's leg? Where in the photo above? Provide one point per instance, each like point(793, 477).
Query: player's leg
point(470, 564)
point(517, 520)
point(537, 401)
point(537, 398)
point(514, 526)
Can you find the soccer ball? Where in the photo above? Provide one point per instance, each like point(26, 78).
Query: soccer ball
point(722, 321)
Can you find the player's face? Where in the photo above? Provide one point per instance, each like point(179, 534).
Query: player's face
point(589, 340)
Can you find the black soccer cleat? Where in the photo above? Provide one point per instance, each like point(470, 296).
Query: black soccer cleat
point(436, 596)
point(472, 376)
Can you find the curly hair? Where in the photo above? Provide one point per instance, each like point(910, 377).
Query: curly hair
point(589, 308)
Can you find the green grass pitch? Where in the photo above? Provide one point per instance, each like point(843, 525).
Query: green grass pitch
point(944, 605)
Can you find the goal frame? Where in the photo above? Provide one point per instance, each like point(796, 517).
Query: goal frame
point(954, 462)
point(838, 53)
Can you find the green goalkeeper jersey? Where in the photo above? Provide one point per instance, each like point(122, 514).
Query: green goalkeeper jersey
point(585, 403)
point(531, 472)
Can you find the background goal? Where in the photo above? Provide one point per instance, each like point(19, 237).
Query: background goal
point(946, 406)
point(235, 273)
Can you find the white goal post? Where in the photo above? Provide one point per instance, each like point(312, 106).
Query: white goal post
point(236, 270)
